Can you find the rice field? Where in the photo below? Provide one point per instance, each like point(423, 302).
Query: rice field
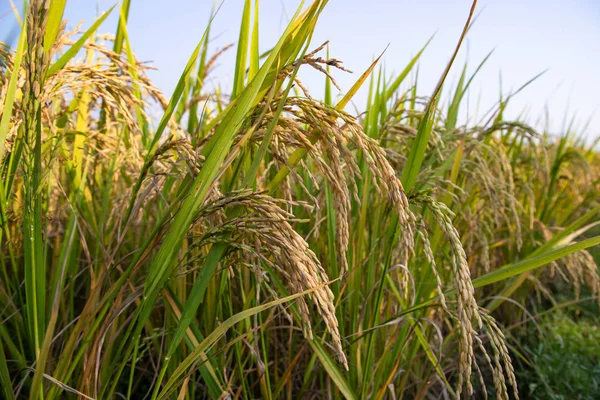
point(264, 243)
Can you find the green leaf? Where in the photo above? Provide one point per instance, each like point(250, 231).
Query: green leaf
point(357, 85)
point(242, 51)
point(430, 355)
point(532, 263)
point(400, 78)
point(5, 381)
point(254, 54)
point(55, 15)
point(419, 146)
point(461, 90)
point(12, 89)
point(118, 45)
point(332, 370)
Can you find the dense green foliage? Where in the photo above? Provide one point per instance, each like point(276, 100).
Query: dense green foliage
point(563, 360)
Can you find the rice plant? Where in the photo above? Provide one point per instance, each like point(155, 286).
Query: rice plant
point(263, 243)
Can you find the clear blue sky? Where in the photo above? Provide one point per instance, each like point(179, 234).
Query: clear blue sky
point(527, 36)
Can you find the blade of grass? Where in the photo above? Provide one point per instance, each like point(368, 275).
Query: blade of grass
point(332, 369)
point(254, 54)
point(529, 264)
point(5, 381)
point(393, 87)
point(12, 89)
point(55, 15)
point(419, 145)
point(119, 37)
point(242, 50)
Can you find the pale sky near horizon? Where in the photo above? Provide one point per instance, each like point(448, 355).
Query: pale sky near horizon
point(527, 36)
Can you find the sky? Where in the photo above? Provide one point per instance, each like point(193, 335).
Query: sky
point(527, 37)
